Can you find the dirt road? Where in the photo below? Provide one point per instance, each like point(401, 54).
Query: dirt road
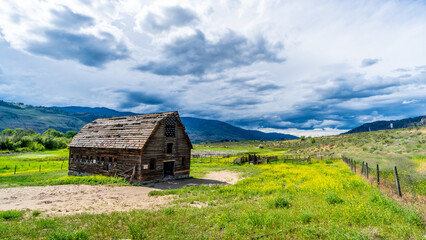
point(73, 199)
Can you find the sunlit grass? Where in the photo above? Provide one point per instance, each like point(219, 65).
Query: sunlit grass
point(295, 201)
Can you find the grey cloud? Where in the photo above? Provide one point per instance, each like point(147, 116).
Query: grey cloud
point(172, 16)
point(84, 48)
point(67, 19)
point(369, 62)
point(136, 98)
point(195, 55)
point(237, 102)
point(349, 87)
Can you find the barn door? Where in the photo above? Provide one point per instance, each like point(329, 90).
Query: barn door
point(169, 168)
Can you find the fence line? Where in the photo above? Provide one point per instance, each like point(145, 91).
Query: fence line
point(365, 170)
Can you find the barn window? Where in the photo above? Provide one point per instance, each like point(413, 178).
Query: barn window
point(71, 156)
point(110, 159)
point(183, 161)
point(152, 164)
point(170, 130)
point(169, 147)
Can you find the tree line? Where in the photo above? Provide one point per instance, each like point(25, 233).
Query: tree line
point(20, 140)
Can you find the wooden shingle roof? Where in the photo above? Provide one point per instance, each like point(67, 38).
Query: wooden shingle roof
point(129, 132)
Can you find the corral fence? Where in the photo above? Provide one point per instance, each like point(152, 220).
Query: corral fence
point(375, 173)
point(264, 158)
point(32, 165)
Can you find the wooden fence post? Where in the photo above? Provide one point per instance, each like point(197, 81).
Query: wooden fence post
point(366, 169)
point(362, 168)
point(398, 188)
point(378, 175)
point(39, 169)
point(15, 170)
point(354, 167)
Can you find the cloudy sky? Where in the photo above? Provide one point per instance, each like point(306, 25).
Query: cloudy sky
point(307, 67)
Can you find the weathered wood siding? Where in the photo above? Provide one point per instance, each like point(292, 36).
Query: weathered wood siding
point(156, 148)
point(103, 161)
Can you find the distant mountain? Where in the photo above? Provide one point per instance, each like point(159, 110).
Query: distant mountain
point(96, 110)
point(18, 115)
point(202, 130)
point(382, 125)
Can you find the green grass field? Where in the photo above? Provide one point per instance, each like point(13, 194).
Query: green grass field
point(404, 148)
point(44, 168)
point(323, 200)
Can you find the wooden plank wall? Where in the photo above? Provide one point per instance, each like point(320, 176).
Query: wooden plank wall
point(156, 148)
point(103, 161)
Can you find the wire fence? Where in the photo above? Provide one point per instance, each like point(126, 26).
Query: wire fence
point(400, 183)
point(8, 167)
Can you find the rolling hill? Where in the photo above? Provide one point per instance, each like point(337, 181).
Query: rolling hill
point(393, 124)
point(18, 115)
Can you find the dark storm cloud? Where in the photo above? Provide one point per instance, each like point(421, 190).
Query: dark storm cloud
point(346, 88)
point(195, 55)
point(87, 49)
point(369, 62)
point(136, 98)
point(68, 19)
point(172, 16)
point(331, 107)
point(237, 102)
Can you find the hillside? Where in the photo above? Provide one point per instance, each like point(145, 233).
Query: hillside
point(198, 129)
point(202, 130)
point(393, 124)
point(18, 115)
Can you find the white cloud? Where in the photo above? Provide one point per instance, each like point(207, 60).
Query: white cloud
point(324, 44)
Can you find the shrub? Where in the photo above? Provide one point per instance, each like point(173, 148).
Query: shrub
point(11, 214)
point(169, 211)
point(280, 202)
point(332, 198)
point(306, 217)
point(36, 213)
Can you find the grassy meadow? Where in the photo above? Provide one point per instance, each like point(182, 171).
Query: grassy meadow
point(404, 148)
point(43, 168)
point(280, 200)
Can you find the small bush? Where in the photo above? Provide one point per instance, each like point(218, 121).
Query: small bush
point(332, 198)
point(169, 211)
point(11, 214)
point(62, 235)
point(280, 202)
point(306, 217)
point(36, 213)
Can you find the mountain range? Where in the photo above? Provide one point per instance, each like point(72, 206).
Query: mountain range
point(19, 115)
point(392, 124)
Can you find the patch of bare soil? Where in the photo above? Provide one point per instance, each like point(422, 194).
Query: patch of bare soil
point(74, 199)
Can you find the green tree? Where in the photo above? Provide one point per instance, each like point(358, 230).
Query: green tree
point(70, 134)
point(53, 133)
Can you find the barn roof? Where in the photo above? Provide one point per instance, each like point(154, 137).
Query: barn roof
point(130, 132)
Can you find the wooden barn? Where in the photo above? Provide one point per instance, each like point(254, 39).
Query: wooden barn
point(141, 148)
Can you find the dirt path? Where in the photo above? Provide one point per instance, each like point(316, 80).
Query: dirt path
point(73, 199)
